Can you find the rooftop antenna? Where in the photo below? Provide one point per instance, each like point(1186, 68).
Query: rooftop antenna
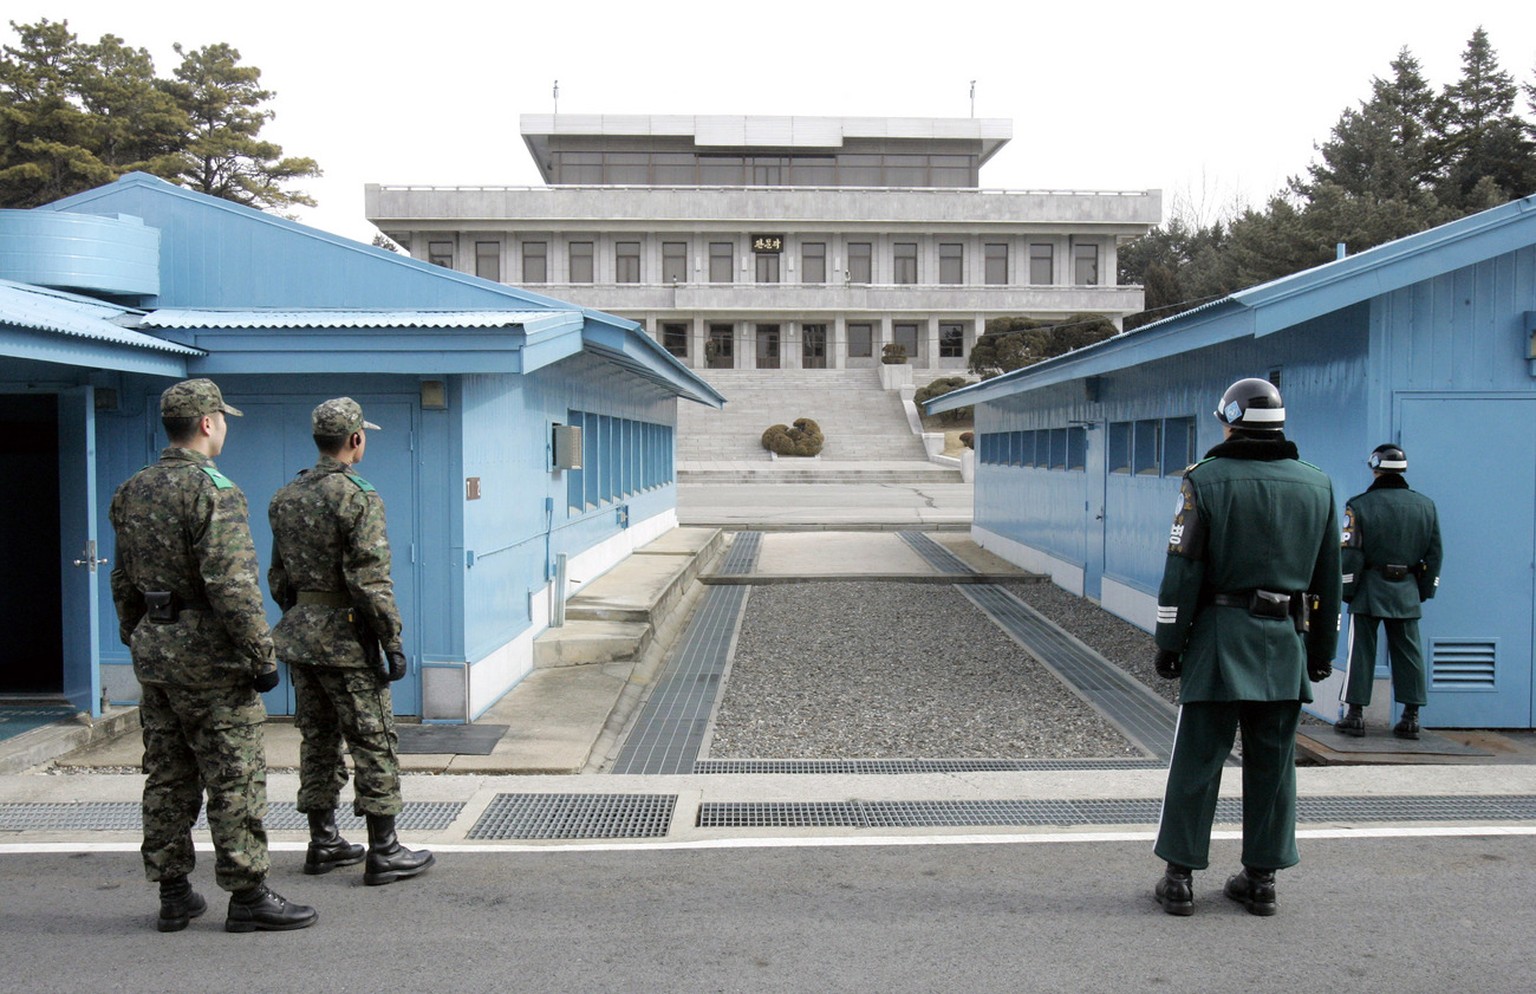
point(557, 98)
point(973, 98)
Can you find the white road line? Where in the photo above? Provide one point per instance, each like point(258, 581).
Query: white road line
point(829, 841)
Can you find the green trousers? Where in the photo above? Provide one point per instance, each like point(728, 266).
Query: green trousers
point(1202, 742)
point(196, 741)
point(1404, 650)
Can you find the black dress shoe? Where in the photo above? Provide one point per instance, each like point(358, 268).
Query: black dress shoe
point(179, 904)
point(1175, 892)
point(1254, 889)
point(1407, 727)
point(261, 908)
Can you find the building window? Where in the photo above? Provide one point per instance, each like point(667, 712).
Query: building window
point(861, 257)
point(627, 168)
point(626, 262)
point(1085, 265)
point(674, 338)
point(720, 170)
point(488, 261)
point(673, 169)
point(904, 256)
point(581, 262)
point(722, 262)
point(861, 341)
point(951, 340)
point(535, 262)
point(1147, 448)
point(1178, 444)
point(997, 264)
point(951, 262)
point(1041, 270)
point(905, 335)
point(1120, 447)
point(580, 167)
point(674, 262)
point(813, 262)
point(767, 267)
point(440, 254)
point(1077, 448)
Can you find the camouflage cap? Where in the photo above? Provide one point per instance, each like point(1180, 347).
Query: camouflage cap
point(193, 399)
point(341, 416)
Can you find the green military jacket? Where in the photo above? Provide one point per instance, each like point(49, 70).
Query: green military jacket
point(1251, 515)
point(328, 537)
point(181, 527)
point(1390, 525)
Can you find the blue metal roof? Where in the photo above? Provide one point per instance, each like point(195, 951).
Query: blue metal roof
point(1279, 304)
point(33, 308)
point(186, 318)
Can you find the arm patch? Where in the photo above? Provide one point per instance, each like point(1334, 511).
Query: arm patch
point(1187, 537)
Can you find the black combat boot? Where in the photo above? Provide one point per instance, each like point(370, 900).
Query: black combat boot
point(327, 849)
point(261, 908)
point(1175, 892)
point(1353, 723)
point(1407, 726)
point(388, 860)
point(179, 904)
point(1254, 889)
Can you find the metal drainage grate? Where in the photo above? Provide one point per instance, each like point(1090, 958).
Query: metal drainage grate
point(1141, 715)
point(905, 766)
point(670, 730)
point(934, 554)
point(127, 816)
point(742, 556)
point(1109, 811)
point(576, 816)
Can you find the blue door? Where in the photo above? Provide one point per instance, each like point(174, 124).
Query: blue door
point(1093, 511)
point(83, 570)
point(268, 446)
point(1476, 458)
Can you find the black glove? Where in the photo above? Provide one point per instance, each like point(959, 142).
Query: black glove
point(1169, 664)
point(265, 681)
point(1318, 672)
point(396, 664)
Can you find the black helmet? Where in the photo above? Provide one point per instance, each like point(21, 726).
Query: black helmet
point(1252, 404)
point(1388, 458)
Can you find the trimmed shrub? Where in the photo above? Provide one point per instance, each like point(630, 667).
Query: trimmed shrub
point(893, 354)
point(939, 388)
point(804, 439)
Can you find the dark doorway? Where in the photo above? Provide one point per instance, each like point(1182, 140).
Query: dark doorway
point(31, 615)
point(813, 350)
point(767, 346)
point(718, 352)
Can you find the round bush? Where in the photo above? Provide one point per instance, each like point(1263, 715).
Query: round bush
point(804, 439)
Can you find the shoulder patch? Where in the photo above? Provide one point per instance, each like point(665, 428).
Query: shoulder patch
point(1194, 465)
point(219, 479)
point(361, 483)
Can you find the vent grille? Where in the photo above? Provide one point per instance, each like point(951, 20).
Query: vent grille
point(905, 766)
point(576, 816)
point(127, 816)
point(1463, 665)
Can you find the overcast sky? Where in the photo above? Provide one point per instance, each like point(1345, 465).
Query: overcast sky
point(1207, 101)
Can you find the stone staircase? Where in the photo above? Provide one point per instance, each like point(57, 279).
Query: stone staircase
point(868, 437)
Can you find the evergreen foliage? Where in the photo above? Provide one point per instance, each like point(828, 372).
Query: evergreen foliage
point(939, 388)
point(1013, 343)
point(75, 115)
point(1405, 160)
point(804, 439)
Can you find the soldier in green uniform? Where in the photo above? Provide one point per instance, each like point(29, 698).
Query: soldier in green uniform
point(189, 607)
point(330, 574)
point(1246, 615)
point(1391, 564)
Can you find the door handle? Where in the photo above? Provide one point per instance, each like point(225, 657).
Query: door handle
point(88, 557)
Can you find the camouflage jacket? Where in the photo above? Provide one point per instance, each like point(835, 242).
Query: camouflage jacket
point(181, 527)
point(328, 537)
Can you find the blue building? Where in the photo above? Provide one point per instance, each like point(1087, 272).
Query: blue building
point(1426, 341)
point(108, 296)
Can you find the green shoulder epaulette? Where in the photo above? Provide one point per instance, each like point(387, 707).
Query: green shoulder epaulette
point(219, 479)
point(362, 484)
point(1309, 465)
point(1191, 466)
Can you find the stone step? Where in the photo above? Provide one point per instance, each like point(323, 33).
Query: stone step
point(580, 642)
point(939, 474)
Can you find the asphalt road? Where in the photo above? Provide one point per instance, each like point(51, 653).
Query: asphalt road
point(1403, 915)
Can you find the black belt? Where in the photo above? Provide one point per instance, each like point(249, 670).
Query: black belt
point(325, 598)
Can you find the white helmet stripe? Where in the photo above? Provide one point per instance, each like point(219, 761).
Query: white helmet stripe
point(1392, 464)
point(1256, 414)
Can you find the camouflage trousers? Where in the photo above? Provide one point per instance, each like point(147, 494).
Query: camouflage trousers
point(332, 705)
point(204, 740)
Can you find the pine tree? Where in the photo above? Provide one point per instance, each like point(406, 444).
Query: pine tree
point(1479, 145)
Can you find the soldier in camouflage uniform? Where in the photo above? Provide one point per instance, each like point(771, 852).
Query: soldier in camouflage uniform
point(189, 607)
point(330, 574)
point(1253, 548)
point(1391, 564)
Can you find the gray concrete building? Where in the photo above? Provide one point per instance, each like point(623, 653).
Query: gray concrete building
point(782, 242)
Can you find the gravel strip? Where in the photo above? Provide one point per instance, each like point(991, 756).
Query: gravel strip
point(852, 670)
